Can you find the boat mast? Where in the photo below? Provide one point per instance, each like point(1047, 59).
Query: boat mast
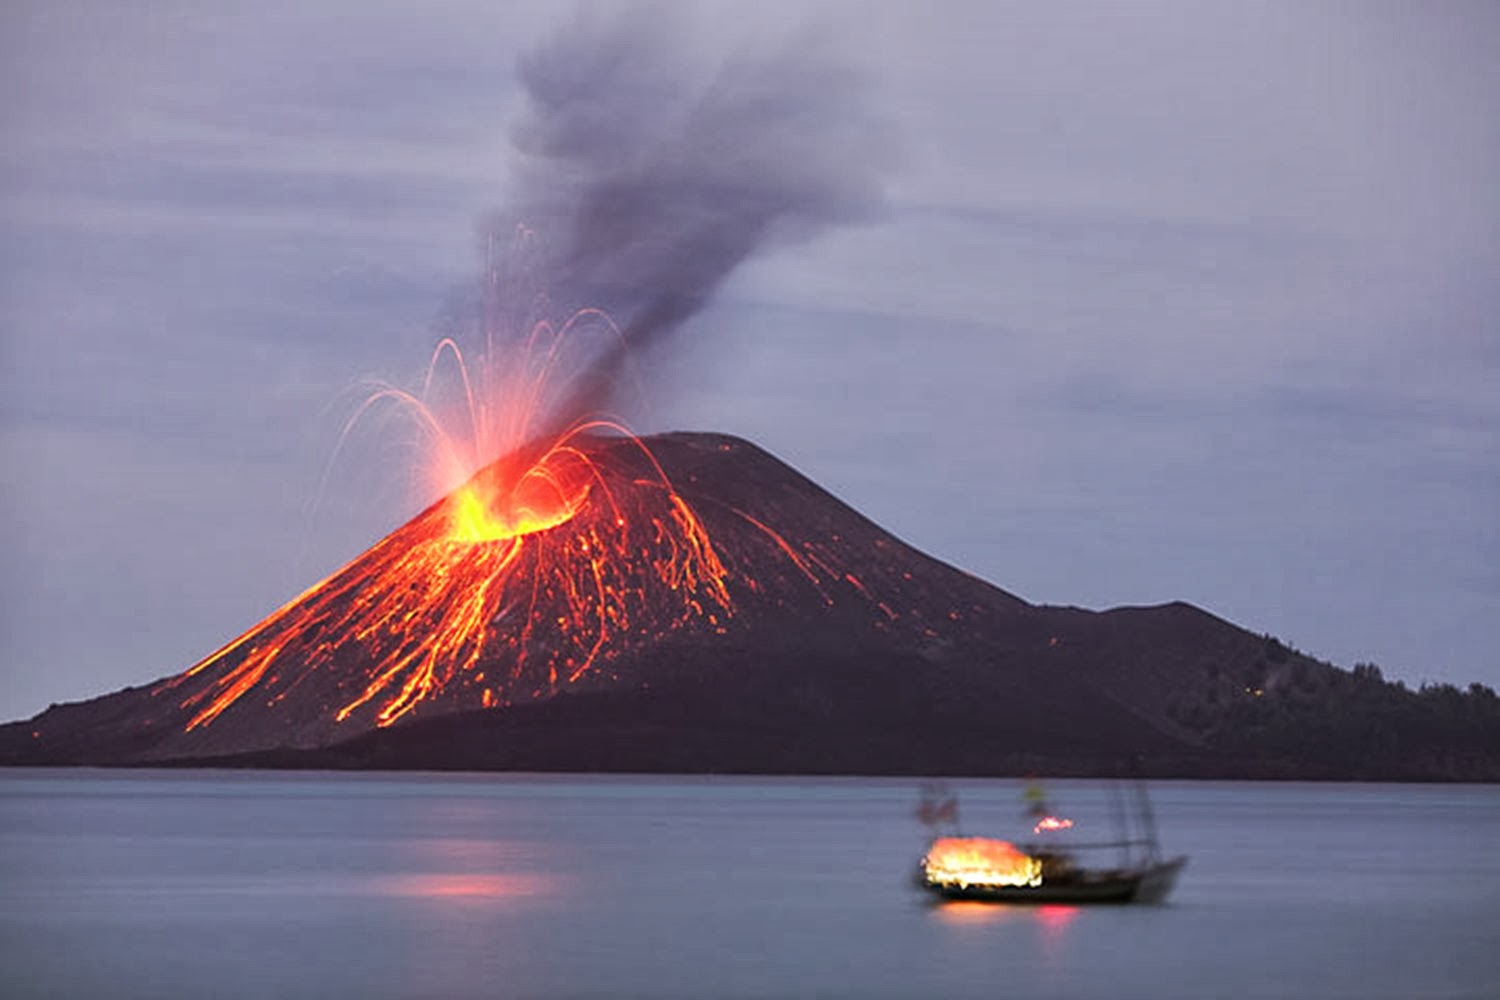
point(1148, 820)
point(1121, 821)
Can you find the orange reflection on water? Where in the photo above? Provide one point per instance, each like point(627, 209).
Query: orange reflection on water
point(1055, 918)
point(466, 885)
point(1051, 919)
point(968, 913)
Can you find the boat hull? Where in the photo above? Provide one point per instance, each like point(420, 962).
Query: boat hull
point(1149, 884)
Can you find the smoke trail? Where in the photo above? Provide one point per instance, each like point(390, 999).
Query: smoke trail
point(649, 176)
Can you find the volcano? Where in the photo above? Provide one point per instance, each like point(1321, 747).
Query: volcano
point(688, 603)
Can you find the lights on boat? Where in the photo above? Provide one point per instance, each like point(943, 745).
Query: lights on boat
point(979, 861)
point(1049, 823)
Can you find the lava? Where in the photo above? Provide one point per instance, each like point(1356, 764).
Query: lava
point(498, 505)
point(465, 598)
point(528, 572)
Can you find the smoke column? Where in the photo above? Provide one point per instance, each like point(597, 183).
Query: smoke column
point(648, 173)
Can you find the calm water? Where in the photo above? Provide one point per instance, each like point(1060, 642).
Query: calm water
point(197, 884)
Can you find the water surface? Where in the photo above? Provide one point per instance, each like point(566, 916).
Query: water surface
point(257, 884)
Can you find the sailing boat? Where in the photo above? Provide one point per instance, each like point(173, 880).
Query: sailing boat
point(992, 870)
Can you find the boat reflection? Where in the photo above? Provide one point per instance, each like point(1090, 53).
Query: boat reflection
point(1055, 917)
point(1052, 918)
point(968, 913)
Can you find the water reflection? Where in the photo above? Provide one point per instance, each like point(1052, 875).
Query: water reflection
point(1046, 926)
point(1051, 919)
point(1054, 921)
point(1055, 918)
point(468, 868)
point(968, 913)
point(464, 885)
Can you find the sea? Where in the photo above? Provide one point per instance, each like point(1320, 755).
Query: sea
point(141, 883)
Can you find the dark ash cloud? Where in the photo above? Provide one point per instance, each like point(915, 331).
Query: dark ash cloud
point(648, 172)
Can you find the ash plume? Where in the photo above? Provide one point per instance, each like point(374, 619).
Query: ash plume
point(648, 171)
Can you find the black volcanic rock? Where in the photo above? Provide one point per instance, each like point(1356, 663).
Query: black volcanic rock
point(832, 648)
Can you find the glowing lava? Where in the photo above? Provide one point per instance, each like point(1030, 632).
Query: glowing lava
point(525, 576)
point(539, 502)
point(464, 600)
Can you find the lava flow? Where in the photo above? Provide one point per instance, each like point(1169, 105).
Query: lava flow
point(523, 578)
point(513, 584)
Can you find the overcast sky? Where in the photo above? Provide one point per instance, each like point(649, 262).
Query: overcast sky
point(1163, 301)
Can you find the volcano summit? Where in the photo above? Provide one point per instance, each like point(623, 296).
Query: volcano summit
point(686, 602)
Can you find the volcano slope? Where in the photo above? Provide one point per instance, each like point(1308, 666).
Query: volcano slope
point(688, 603)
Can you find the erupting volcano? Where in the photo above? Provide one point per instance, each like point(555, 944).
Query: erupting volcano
point(686, 602)
point(523, 579)
point(533, 573)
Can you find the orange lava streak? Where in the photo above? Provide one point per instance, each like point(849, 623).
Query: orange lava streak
point(468, 581)
point(798, 560)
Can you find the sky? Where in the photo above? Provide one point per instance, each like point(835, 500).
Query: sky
point(1108, 304)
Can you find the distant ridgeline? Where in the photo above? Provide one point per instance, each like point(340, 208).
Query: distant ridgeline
point(701, 607)
point(1356, 722)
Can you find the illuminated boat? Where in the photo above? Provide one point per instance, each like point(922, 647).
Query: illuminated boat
point(992, 870)
point(982, 868)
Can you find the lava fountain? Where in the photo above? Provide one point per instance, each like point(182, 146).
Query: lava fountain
point(531, 571)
